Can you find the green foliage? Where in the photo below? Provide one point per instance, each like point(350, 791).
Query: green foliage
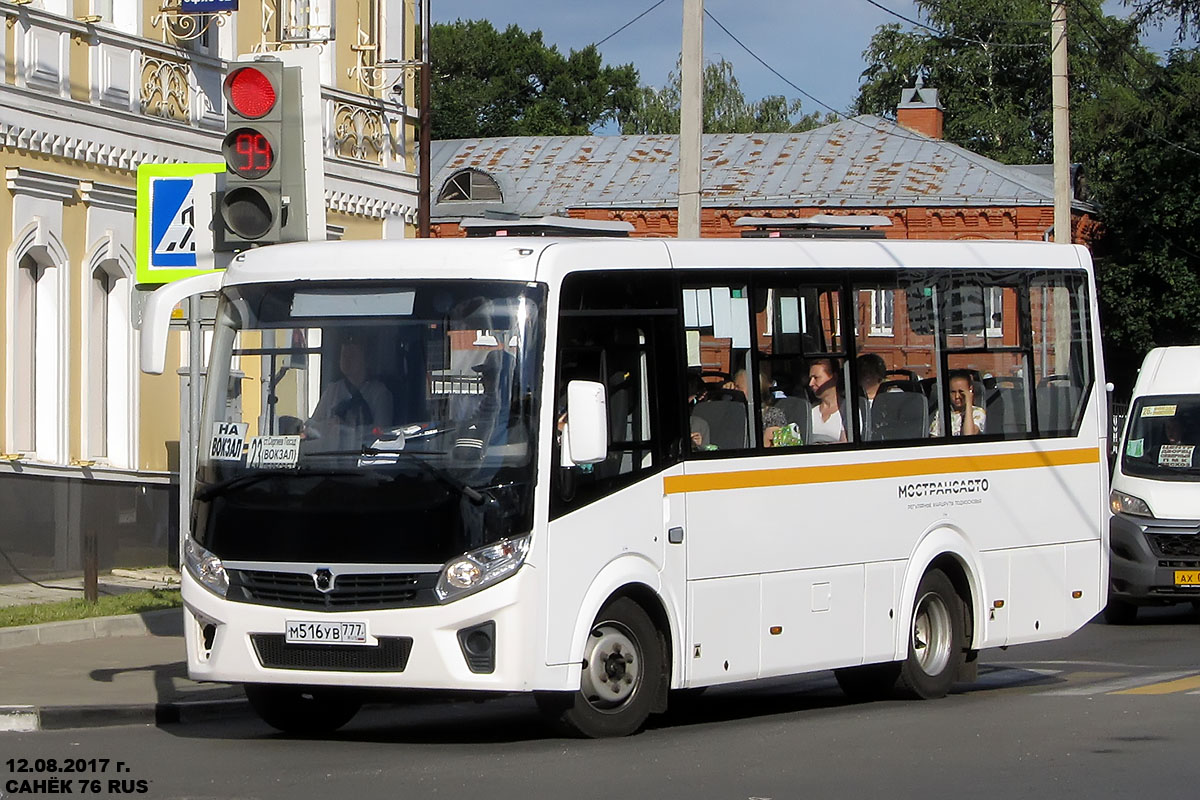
point(488, 83)
point(725, 108)
point(1144, 169)
point(78, 608)
point(990, 62)
point(1153, 13)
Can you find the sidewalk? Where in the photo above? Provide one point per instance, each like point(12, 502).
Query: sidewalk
point(102, 671)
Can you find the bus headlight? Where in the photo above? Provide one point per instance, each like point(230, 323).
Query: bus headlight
point(1128, 504)
point(479, 568)
point(205, 567)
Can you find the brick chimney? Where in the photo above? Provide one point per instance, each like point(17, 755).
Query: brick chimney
point(920, 111)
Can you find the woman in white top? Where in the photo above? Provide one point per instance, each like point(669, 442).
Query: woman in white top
point(827, 426)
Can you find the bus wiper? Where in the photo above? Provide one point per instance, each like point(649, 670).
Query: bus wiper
point(471, 493)
point(248, 479)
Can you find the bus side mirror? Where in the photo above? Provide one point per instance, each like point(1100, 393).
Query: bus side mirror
point(156, 316)
point(585, 436)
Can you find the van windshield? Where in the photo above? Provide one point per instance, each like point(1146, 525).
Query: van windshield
point(1164, 432)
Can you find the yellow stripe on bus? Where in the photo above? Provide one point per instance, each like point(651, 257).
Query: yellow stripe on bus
point(835, 473)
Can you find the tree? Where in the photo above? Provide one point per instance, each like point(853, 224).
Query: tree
point(488, 83)
point(990, 61)
point(1153, 13)
point(1144, 168)
point(725, 107)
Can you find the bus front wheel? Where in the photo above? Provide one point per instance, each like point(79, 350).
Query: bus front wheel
point(302, 710)
point(622, 671)
point(935, 639)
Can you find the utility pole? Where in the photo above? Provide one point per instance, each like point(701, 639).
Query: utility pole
point(423, 167)
point(691, 118)
point(1062, 121)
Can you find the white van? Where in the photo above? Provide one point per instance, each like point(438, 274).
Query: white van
point(1155, 530)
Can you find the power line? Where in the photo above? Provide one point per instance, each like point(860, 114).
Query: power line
point(627, 24)
point(944, 34)
point(961, 152)
point(1033, 23)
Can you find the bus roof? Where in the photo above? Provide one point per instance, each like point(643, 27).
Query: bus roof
point(544, 258)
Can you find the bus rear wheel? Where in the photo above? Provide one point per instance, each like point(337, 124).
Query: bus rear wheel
point(935, 639)
point(302, 710)
point(622, 671)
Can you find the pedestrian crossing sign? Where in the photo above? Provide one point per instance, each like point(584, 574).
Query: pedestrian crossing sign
point(174, 221)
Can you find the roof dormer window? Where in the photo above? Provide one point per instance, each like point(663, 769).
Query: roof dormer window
point(470, 185)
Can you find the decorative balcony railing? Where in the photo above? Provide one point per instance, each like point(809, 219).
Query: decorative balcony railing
point(178, 85)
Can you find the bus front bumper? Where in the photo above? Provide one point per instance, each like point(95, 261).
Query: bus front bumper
point(481, 642)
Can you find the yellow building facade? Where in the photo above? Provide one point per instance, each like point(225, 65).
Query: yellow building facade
point(91, 90)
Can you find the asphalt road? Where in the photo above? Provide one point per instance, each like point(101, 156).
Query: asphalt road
point(1108, 713)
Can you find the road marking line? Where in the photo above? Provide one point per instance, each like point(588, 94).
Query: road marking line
point(1114, 686)
point(1166, 687)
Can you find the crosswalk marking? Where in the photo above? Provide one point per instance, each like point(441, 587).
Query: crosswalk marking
point(1166, 687)
point(1119, 685)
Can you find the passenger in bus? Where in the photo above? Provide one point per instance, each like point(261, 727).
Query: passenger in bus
point(966, 418)
point(776, 425)
point(871, 372)
point(354, 407)
point(827, 423)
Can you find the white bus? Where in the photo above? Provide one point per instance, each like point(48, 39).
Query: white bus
point(536, 465)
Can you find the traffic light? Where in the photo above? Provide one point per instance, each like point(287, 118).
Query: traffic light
point(253, 208)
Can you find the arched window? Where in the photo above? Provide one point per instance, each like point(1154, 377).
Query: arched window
point(100, 292)
point(109, 400)
point(25, 329)
point(470, 185)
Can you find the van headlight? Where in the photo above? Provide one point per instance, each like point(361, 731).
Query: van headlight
point(1122, 503)
point(473, 571)
point(205, 567)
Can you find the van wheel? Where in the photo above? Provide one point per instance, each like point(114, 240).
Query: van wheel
point(1120, 612)
point(302, 710)
point(935, 639)
point(622, 669)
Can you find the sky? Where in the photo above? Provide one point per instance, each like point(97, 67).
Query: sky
point(815, 44)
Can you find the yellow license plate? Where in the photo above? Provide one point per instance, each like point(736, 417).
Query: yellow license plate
point(1187, 577)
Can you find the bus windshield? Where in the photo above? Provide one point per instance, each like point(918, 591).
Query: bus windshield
point(369, 422)
point(1164, 432)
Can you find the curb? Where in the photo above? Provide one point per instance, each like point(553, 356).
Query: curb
point(164, 622)
point(25, 719)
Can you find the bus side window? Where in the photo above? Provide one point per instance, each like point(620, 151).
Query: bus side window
point(1061, 351)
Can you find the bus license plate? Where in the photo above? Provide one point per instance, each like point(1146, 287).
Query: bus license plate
point(305, 632)
point(1187, 577)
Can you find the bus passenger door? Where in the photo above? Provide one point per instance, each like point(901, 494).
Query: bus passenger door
point(610, 522)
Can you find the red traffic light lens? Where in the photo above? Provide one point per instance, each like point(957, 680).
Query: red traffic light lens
point(250, 92)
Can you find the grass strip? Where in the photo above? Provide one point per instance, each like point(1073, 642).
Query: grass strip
point(108, 605)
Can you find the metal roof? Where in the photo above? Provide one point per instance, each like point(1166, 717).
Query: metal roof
point(864, 161)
